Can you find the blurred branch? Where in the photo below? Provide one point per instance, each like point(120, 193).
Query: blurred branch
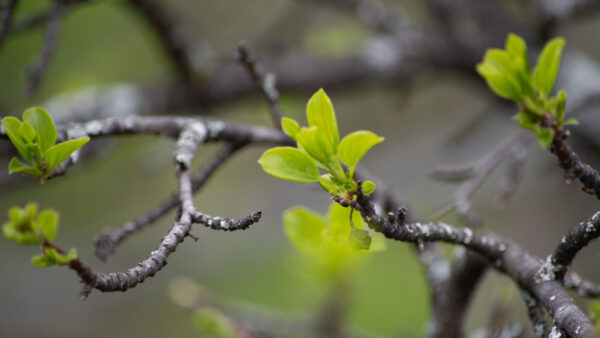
point(473, 175)
point(264, 81)
point(38, 68)
point(173, 35)
point(6, 12)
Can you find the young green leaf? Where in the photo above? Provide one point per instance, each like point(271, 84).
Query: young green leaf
point(303, 228)
point(16, 166)
point(561, 103)
point(11, 232)
point(544, 136)
point(368, 187)
point(289, 163)
point(320, 114)
point(355, 145)
point(546, 70)
point(339, 218)
point(290, 127)
point(311, 141)
point(27, 133)
point(328, 183)
point(47, 221)
point(571, 121)
point(360, 239)
point(11, 127)
point(517, 48)
point(42, 261)
point(60, 258)
point(56, 154)
point(210, 322)
point(497, 70)
point(42, 123)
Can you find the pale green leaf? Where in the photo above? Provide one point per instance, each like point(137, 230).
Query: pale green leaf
point(42, 261)
point(310, 141)
point(304, 229)
point(27, 133)
point(329, 184)
point(320, 114)
point(47, 221)
point(42, 123)
point(289, 163)
point(339, 218)
point(212, 323)
point(544, 137)
point(368, 187)
point(360, 239)
point(11, 127)
point(290, 127)
point(571, 121)
point(355, 145)
point(56, 154)
point(16, 166)
point(546, 70)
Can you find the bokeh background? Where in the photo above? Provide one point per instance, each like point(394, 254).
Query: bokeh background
point(440, 118)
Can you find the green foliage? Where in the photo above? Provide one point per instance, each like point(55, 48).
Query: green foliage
point(508, 74)
point(26, 227)
point(35, 139)
point(595, 313)
point(319, 146)
point(333, 242)
point(212, 323)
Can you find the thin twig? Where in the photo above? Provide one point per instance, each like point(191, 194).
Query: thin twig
point(264, 81)
point(107, 243)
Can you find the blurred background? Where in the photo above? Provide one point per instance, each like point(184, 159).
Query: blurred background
point(427, 103)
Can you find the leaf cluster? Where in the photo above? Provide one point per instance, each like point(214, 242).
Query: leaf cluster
point(35, 140)
point(25, 226)
point(319, 146)
point(508, 74)
point(332, 241)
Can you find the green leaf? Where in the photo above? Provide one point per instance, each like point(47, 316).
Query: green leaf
point(11, 232)
point(546, 70)
point(355, 145)
point(60, 258)
point(289, 163)
point(303, 228)
point(16, 166)
point(368, 187)
point(11, 127)
point(517, 48)
point(525, 120)
point(545, 136)
point(42, 261)
point(339, 218)
point(41, 121)
point(360, 239)
point(56, 154)
point(212, 323)
point(561, 103)
point(310, 141)
point(27, 133)
point(498, 71)
point(571, 121)
point(47, 221)
point(329, 184)
point(290, 127)
point(320, 114)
